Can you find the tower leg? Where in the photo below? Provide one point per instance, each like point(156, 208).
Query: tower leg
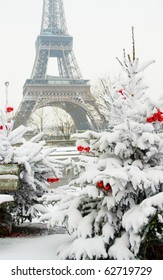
point(78, 115)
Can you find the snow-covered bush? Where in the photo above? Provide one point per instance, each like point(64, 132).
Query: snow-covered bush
point(35, 163)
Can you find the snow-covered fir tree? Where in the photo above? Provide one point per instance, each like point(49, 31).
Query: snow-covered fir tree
point(119, 210)
point(35, 163)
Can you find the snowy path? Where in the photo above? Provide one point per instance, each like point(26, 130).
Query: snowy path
point(32, 248)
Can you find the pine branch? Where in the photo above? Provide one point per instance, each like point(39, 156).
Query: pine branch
point(133, 44)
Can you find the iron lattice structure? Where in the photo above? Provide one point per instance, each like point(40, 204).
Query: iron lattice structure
point(68, 90)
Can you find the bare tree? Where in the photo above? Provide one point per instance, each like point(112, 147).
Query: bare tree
point(39, 119)
point(63, 122)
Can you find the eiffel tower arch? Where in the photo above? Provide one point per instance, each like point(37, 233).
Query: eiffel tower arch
point(68, 90)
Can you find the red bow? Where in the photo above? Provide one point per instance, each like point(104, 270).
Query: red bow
point(87, 149)
point(156, 117)
point(3, 127)
point(81, 148)
point(52, 180)
point(121, 92)
point(107, 188)
point(150, 119)
point(100, 184)
point(9, 109)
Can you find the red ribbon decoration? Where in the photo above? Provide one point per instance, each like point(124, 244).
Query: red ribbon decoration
point(156, 117)
point(87, 149)
point(4, 127)
point(100, 184)
point(9, 109)
point(107, 188)
point(81, 149)
point(121, 92)
point(150, 119)
point(52, 180)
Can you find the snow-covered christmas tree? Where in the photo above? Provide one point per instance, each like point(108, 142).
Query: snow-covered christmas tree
point(119, 211)
point(37, 169)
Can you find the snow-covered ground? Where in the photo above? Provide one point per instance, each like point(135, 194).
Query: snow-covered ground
point(32, 248)
point(38, 247)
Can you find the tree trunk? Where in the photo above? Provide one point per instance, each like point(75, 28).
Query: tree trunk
point(5, 222)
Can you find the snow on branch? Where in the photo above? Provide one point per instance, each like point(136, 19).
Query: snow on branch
point(144, 65)
point(120, 249)
point(6, 198)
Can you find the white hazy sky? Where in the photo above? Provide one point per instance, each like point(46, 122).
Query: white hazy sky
point(100, 28)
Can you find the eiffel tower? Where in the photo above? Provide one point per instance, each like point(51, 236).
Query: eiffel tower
point(68, 91)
